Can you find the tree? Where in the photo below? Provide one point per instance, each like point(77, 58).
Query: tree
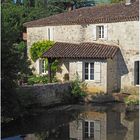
point(116, 1)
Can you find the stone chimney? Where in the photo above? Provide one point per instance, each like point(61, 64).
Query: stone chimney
point(127, 2)
point(69, 6)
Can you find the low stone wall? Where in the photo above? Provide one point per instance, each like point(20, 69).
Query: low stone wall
point(44, 95)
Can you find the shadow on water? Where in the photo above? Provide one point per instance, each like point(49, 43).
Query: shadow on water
point(75, 122)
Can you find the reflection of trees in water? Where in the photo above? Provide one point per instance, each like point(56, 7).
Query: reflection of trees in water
point(42, 135)
point(61, 132)
point(131, 115)
point(55, 133)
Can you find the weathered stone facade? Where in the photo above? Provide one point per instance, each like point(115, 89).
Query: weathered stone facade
point(76, 66)
point(123, 34)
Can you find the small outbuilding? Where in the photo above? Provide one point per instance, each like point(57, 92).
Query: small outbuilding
point(96, 64)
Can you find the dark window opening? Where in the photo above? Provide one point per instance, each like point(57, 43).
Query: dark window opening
point(136, 75)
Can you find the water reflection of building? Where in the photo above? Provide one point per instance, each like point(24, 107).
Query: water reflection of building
point(132, 124)
point(98, 126)
point(104, 124)
point(90, 125)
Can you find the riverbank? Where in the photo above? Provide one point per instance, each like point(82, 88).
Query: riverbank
point(55, 94)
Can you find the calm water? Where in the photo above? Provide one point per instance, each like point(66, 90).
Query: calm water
point(75, 122)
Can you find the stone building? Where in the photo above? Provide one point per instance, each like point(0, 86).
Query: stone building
point(100, 43)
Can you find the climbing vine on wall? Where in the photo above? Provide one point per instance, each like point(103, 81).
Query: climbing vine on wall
point(38, 48)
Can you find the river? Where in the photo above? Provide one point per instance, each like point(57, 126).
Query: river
point(75, 122)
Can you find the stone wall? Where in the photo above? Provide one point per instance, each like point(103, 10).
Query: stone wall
point(126, 36)
point(66, 33)
point(44, 95)
point(113, 75)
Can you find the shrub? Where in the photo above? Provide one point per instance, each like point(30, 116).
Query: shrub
point(78, 87)
point(132, 99)
point(37, 80)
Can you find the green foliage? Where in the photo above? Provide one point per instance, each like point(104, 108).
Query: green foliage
point(132, 100)
point(33, 79)
point(55, 67)
point(13, 57)
point(78, 87)
point(116, 1)
point(38, 48)
point(23, 62)
point(37, 80)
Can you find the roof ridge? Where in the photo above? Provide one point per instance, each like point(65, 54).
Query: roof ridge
point(80, 43)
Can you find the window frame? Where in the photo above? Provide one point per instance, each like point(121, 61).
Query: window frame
point(89, 132)
point(89, 71)
point(43, 65)
point(100, 32)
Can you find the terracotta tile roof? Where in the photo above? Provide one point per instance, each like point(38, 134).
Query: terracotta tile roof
point(90, 15)
point(82, 50)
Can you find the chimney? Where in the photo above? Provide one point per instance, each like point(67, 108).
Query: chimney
point(69, 6)
point(127, 2)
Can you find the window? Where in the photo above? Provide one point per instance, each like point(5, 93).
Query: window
point(100, 31)
point(43, 67)
point(50, 34)
point(89, 71)
point(136, 71)
point(89, 129)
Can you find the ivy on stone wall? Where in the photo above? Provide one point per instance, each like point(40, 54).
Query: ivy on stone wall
point(38, 48)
